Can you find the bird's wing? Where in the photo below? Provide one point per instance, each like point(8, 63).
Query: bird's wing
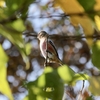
point(51, 48)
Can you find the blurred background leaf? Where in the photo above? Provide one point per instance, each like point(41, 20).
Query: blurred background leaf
point(79, 76)
point(83, 20)
point(18, 25)
point(20, 7)
point(20, 21)
point(66, 73)
point(96, 54)
point(95, 85)
point(4, 86)
point(87, 5)
point(39, 89)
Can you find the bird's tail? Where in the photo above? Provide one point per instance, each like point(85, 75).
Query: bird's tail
point(55, 60)
point(60, 62)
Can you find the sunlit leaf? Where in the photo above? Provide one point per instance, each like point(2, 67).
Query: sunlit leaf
point(84, 21)
point(41, 83)
point(18, 25)
point(16, 38)
point(26, 98)
point(39, 97)
point(2, 3)
point(97, 5)
point(68, 5)
point(96, 54)
point(97, 21)
point(77, 20)
point(4, 86)
point(48, 70)
point(79, 76)
point(94, 85)
point(66, 73)
point(48, 85)
point(28, 48)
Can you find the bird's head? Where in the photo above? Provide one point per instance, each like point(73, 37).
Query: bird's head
point(42, 34)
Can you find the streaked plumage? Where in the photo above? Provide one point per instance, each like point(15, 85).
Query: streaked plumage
point(51, 51)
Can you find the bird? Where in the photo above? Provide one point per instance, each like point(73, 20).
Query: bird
point(48, 48)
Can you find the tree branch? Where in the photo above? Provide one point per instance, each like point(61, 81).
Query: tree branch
point(97, 36)
point(12, 18)
point(65, 15)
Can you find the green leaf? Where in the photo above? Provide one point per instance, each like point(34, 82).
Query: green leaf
point(26, 98)
point(66, 73)
point(79, 76)
point(16, 38)
point(96, 54)
point(88, 5)
point(12, 6)
point(4, 86)
point(94, 86)
point(90, 98)
point(28, 48)
point(18, 25)
point(18, 5)
point(41, 83)
point(48, 85)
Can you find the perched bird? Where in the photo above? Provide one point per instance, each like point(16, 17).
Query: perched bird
point(48, 49)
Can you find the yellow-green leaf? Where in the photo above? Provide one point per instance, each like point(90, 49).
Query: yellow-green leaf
point(79, 76)
point(95, 85)
point(66, 73)
point(18, 25)
point(2, 3)
point(41, 81)
point(12, 35)
point(97, 5)
point(97, 21)
point(28, 48)
point(96, 54)
point(16, 38)
point(4, 86)
point(26, 98)
point(67, 6)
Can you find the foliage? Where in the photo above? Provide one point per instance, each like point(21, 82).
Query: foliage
point(53, 88)
point(4, 87)
point(82, 9)
point(19, 50)
point(96, 53)
point(94, 87)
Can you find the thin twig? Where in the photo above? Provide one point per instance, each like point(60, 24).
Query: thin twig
point(83, 86)
point(12, 18)
point(69, 37)
point(65, 15)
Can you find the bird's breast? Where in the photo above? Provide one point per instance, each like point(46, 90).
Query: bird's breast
point(43, 48)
